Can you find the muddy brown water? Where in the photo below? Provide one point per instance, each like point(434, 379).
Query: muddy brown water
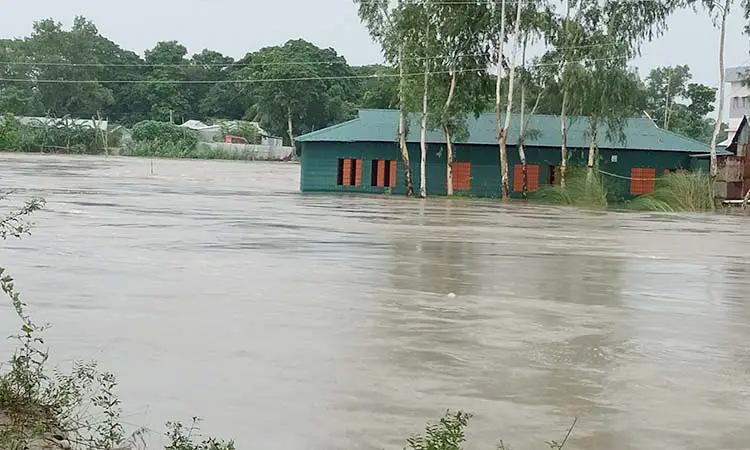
point(292, 321)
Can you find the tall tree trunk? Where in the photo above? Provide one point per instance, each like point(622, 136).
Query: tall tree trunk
point(563, 138)
point(409, 186)
point(665, 123)
point(521, 138)
point(509, 105)
point(504, 191)
point(522, 130)
point(720, 115)
point(448, 134)
point(593, 149)
point(449, 168)
point(289, 128)
point(423, 131)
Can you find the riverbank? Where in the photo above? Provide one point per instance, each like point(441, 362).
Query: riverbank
point(208, 151)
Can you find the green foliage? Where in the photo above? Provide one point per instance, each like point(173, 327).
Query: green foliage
point(183, 438)
point(60, 135)
point(10, 135)
point(242, 128)
point(310, 99)
point(151, 130)
point(679, 106)
point(582, 189)
point(688, 192)
point(447, 434)
point(162, 139)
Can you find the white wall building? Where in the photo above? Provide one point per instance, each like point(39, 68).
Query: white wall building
point(739, 99)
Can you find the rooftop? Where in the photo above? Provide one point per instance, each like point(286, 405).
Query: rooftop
point(735, 74)
point(381, 125)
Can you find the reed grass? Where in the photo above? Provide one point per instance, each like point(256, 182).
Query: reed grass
point(684, 192)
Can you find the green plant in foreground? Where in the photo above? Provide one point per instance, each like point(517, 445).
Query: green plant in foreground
point(678, 192)
point(447, 434)
point(182, 438)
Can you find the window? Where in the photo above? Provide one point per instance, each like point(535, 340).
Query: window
point(461, 172)
point(383, 173)
point(532, 178)
point(642, 180)
point(554, 176)
point(349, 172)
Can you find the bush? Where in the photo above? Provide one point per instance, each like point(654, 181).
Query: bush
point(151, 130)
point(689, 192)
point(582, 188)
point(10, 135)
point(50, 135)
point(247, 130)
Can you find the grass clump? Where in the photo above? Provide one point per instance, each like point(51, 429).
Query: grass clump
point(582, 188)
point(678, 192)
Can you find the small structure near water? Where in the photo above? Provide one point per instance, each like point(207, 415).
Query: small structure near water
point(362, 155)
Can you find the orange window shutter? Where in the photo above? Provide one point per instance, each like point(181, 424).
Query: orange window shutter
point(358, 172)
point(347, 169)
point(532, 177)
point(392, 181)
point(649, 180)
point(461, 172)
point(518, 178)
point(642, 180)
point(381, 173)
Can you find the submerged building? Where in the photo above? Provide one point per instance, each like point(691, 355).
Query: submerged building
point(362, 155)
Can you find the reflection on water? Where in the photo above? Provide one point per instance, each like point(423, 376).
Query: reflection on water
point(319, 322)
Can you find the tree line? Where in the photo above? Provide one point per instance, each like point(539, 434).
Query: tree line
point(431, 46)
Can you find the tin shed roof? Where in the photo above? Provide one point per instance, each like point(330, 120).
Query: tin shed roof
point(381, 125)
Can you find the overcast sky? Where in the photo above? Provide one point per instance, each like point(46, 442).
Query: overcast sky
point(235, 27)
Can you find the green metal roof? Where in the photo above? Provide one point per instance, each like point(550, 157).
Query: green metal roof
point(381, 125)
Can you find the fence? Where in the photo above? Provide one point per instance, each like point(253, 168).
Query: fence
point(256, 152)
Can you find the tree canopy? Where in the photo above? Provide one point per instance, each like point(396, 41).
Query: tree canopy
point(298, 87)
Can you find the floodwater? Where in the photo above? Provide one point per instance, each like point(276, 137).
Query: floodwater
point(291, 321)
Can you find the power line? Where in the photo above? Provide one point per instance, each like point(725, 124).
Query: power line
point(190, 64)
point(277, 80)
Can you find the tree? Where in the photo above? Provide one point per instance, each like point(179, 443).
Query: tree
point(298, 88)
point(378, 17)
point(665, 85)
point(499, 42)
point(207, 66)
point(378, 87)
point(461, 85)
point(680, 106)
point(67, 57)
point(167, 100)
point(586, 40)
point(18, 97)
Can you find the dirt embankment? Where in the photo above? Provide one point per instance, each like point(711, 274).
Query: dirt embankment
point(30, 437)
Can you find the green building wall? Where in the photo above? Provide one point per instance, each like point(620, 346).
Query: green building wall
point(319, 165)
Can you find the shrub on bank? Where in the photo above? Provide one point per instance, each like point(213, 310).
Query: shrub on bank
point(582, 188)
point(152, 130)
point(688, 192)
point(10, 134)
point(51, 135)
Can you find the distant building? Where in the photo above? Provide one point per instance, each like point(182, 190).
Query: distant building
point(739, 99)
point(213, 133)
point(100, 125)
